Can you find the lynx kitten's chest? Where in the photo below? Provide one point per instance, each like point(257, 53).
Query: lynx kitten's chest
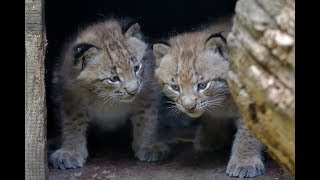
point(110, 118)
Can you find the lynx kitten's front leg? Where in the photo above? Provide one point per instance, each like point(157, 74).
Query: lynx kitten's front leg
point(145, 143)
point(73, 152)
point(246, 160)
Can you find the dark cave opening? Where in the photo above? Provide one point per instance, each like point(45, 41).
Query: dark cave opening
point(158, 19)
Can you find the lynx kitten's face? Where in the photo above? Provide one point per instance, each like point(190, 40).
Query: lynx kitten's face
point(192, 70)
point(111, 61)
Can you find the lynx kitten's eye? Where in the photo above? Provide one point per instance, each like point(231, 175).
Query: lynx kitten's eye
point(175, 87)
point(202, 86)
point(136, 68)
point(113, 79)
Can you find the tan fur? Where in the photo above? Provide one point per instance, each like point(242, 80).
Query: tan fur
point(192, 60)
point(89, 94)
point(187, 56)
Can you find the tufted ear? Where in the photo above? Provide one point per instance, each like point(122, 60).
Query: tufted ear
point(217, 43)
point(160, 50)
point(83, 52)
point(133, 30)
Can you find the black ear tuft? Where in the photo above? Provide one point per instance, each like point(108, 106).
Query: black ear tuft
point(80, 49)
point(217, 35)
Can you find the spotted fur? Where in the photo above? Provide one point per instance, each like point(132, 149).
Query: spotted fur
point(106, 77)
point(192, 71)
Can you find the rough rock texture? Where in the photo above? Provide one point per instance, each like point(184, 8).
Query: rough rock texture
point(261, 77)
point(35, 108)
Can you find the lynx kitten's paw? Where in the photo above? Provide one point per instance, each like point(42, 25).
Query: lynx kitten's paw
point(155, 152)
point(68, 159)
point(245, 167)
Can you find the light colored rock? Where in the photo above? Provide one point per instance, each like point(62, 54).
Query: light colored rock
point(261, 77)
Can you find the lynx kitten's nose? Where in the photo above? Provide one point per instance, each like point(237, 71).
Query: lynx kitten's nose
point(132, 87)
point(188, 103)
point(132, 91)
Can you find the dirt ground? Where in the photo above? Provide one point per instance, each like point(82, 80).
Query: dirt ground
point(113, 159)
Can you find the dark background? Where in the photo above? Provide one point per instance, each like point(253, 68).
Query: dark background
point(157, 19)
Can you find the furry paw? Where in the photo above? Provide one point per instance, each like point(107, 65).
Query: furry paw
point(68, 159)
point(245, 167)
point(155, 152)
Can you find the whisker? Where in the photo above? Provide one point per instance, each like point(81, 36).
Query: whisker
point(168, 107)
point(208, 109)
point(170, 101)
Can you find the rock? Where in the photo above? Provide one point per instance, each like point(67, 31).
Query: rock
point(261, 77)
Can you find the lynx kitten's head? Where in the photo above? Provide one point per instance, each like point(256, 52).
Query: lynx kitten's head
point(109, 60)
point(192, 70)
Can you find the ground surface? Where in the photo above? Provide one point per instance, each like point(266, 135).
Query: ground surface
point(115, 161)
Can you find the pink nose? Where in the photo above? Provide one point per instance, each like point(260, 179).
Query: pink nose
point(189, 107)
point(189, 104)
point(131, 91)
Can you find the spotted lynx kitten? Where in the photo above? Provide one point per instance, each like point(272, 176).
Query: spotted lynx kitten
point(106, 77)
point(192, 71)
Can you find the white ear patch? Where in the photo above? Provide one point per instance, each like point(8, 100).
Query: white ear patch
point(216, 55)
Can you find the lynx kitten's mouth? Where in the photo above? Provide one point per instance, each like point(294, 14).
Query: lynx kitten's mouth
point(193, 113)
point(129, 98)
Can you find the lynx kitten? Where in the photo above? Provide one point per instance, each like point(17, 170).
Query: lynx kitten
point(192, 70)
point(106, 77)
